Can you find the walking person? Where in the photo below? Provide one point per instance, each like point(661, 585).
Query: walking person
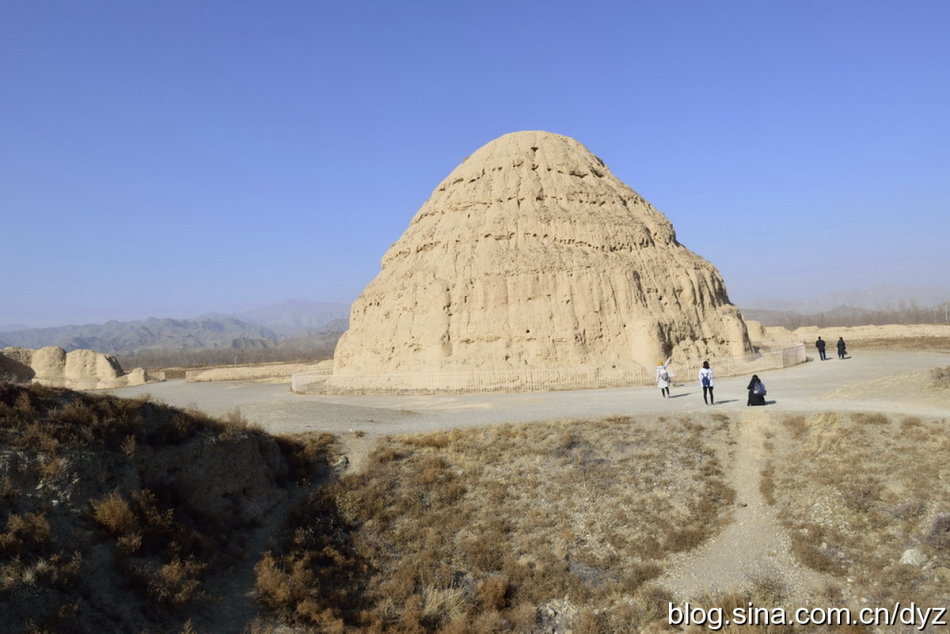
point(756, 391)
point(663, 378)
point(842, 351)
point(706, 380)
point(820, 344)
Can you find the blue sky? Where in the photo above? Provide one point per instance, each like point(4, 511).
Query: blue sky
point(177, 158)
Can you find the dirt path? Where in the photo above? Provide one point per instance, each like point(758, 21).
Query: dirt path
point(234, 606)
point(754, 546)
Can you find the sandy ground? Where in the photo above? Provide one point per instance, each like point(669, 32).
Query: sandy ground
point(875, 380)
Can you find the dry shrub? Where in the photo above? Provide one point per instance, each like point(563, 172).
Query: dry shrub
point(113, 513)
point(492, 592)
point(795, 425)
point(911, 422)
point(318, 581)
point(807, 549)
point(128, 447)
point(175, 583)
point(938, 537)
point(129, 544)
point(862, 418)
point(435, 440)
point(24, 532)
point(861, 495)
point(940, 378)
point(307, 455)
point(164, 556)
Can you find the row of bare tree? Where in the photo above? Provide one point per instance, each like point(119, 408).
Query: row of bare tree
point(850, 316)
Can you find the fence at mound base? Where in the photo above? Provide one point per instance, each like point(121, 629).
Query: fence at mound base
point(247, 373)
point(536, 380)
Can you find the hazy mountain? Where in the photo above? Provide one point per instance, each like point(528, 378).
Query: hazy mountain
point(116, 337)
point(881, 297)
point(296, 318)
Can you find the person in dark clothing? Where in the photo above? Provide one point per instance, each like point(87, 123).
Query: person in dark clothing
point(820, 344)
point(842, 352)
point(756, 391)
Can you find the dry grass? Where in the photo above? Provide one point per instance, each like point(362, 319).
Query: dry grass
point(760, 603)
point(308, 454)
point(930, 344)
point(479, 530)
point(940, 378)
point(103, 517)
point(857, 491)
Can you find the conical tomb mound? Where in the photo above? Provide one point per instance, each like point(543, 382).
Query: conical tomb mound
point(532, 256)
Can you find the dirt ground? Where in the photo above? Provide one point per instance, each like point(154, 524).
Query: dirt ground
point(876, 380)
point(756, 544)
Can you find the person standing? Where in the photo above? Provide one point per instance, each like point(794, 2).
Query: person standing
point(756, 391)
point(663, 378)
point(706, 380)
point(820, 344)
point(842, 351)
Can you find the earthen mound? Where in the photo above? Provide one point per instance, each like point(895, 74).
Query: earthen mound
point(79, 369)
point(532, 256)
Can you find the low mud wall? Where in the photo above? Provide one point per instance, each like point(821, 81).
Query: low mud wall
point(537, 380)
point(249, 373)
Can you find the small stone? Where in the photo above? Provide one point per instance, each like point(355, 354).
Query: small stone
point(913, 557)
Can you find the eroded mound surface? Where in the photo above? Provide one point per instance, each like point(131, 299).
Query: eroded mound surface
point(532, 255)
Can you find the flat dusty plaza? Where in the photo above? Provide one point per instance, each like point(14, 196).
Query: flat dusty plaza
point(876, 380)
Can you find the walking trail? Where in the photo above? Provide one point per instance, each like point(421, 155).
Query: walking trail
point(754, 546)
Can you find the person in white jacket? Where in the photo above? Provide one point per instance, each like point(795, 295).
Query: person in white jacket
point(663, 378)
point(706, 380)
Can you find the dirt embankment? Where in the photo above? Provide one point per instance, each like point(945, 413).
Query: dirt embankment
point(124, 515)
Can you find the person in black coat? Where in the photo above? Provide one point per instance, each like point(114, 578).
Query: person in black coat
point(820, 344)
point(842, 352)
point(756, 391)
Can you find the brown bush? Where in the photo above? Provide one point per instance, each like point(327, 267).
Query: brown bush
point(795, 425)
point(862, 418)
point(940, 378)
point(23, 532)
point(114, 514)
point(308, 454)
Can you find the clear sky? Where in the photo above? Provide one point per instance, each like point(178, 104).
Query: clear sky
point(171, 158)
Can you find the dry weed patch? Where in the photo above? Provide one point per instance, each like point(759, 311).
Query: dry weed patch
point(121, 515)
point(866, 498)
point(940, 378)
point(481, 530)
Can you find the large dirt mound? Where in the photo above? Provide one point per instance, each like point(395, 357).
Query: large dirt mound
point(532, 255)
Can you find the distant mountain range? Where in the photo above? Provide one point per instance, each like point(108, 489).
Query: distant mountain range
point(296, 318)
point(115, 337)
point(256, 329)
